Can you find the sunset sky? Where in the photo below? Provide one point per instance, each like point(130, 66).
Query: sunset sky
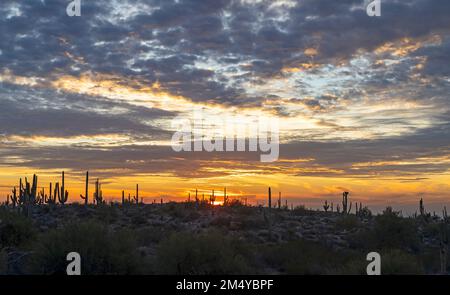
point(362, 102)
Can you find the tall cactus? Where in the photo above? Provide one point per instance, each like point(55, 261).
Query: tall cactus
point(345, 206)
point(196, 196)
point(51, 197)
point(14, 198)
point(63, 196)
point(86, 192)
point(421, 207)
point(326, 206)
point(225, 197)
point(136, 198)
point(270, 198)
point(279, 200)
point(98, 195)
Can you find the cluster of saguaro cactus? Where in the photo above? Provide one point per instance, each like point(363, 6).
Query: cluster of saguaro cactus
point(346, 209)
point(133, 199)
point(27, 194)
point(98, 194)
point(60, 192)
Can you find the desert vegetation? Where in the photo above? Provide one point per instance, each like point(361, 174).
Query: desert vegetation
point(196, 236)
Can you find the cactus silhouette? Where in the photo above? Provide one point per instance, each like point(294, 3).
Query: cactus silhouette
point(345, 206)
point(326, 206)
point(86, 192)
point(270, 198)
point(63, 196)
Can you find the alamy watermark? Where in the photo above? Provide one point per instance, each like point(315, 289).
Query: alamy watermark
point(74, 8)
point(373, 7)
point(223, 133)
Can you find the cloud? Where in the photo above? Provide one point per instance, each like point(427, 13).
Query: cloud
point(376, 89)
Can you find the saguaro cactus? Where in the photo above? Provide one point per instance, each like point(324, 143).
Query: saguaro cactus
point(326, 206)
point(421, 207)
point(98, 196)
point(345, 207)
point(270, 198)
point(14, 198)
point(86, 192)
point(279, 200)
point(64, 195)
point(51, 195)
point(225, 197)
point(136, 198)
point(212, 198)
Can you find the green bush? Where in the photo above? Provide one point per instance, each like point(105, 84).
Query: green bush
point(389, 231)
point(15, 229)
point(302, 257)
point(203, 254)
point(101, 251)
point(348, 222)
point(397, 262)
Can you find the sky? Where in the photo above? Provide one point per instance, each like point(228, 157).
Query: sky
point(362, 102)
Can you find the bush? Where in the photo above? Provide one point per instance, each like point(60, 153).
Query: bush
point(400, 263)
point(151, 234)
point(101, 251)
point(302, 257)
point(300, 210)
point(348, 222)
point(204, 254)
point(390, 231)
point(15, 230)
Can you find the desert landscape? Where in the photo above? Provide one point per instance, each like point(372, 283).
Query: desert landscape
point(203, 235)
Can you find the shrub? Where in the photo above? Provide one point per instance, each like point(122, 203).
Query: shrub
point(302, 257)
point(348, 222)
point(300, 210)
point(101, 251)
point(390, 231)
point(400, 263)
point(151, 234)
point(208, 253)
point(15, 229)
